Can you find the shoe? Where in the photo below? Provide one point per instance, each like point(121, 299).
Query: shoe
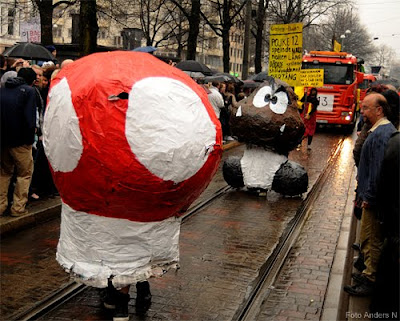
point(229, 138)
point(54, 195)
point(359, 278)
point(15, 214)
point(308, 147)
point(110, 297)
point(359, 263)
point(361, 289)
point(143, 298)
point(356, 246)
point(121, 312)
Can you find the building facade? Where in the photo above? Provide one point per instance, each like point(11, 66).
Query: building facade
point(120, 27)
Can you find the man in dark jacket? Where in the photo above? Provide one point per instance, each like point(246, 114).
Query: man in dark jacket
point(374, 109)
point(386, 299)
point(18, 122)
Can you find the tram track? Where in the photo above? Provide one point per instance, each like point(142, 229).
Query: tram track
point(268, 271)
point(72, 289)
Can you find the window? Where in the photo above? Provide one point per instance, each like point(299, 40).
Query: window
point(11, 18)
point(102, 33)
point(334, 73)
point(57, 31)
point(213, 43)
point(117, 41)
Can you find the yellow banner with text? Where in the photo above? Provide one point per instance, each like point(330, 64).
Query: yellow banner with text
point(286, 52)
point(312, 77)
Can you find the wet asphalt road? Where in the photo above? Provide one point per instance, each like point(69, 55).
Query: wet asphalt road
point(221, 250)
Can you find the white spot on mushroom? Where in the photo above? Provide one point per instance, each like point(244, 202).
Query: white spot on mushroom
point(168, 128)
point(62, 136)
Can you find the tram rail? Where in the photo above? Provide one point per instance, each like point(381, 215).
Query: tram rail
point(268, 271)
point(271, 267)
point(71, 289)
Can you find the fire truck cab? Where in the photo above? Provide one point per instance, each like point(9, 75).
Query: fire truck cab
point(338, 96)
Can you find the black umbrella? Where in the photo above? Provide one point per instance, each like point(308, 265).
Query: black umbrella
point(194, 74)
point(219, 78)
point(250, 84)
point(232, 78)
point(260, 77)
point(29, 50)
point(192, 65)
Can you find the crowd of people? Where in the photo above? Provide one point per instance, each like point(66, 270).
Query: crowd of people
point(25, 174)
point(376, 154)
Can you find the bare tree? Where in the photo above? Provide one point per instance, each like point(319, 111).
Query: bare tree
point(191, 11)
point(384, 56)
point(177, 30)
point(358, 41)
point(46, 8)
point(305, 11)
point(259, 34)
point(155, 16)
point(88, 27)
point(221, 17)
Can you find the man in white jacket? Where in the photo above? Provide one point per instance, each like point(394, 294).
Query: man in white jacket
point(215, 98)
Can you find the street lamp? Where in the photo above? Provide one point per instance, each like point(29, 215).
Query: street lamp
point(347, 32)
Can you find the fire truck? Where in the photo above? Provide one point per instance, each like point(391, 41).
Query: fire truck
point(338, 96)
point(368, 80)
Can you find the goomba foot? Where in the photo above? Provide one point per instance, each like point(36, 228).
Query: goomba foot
point(291, 179)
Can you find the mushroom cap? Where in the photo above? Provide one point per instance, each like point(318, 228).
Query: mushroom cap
point(128, 136)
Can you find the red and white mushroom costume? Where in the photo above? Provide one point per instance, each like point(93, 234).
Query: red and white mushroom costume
point(126, 169)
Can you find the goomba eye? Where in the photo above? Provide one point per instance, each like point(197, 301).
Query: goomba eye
point(262, 97)
point(279, 102)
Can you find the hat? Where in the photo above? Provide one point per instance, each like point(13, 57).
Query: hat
point(50, 48)
point(28, 74)
point(8, 74)
point(48, 64)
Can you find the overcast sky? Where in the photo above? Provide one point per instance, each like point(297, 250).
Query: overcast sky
point(382, 19)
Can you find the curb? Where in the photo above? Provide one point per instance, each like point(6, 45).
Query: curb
point(336, 300)
point(12, 225)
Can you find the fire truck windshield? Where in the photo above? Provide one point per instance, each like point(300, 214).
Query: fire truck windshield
point(333, 73)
